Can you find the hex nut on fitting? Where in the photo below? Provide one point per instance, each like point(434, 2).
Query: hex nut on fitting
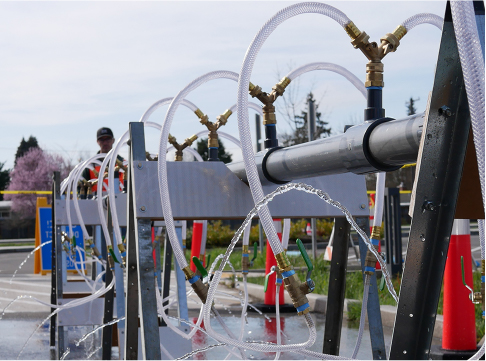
point(370, 260)
point(255, 90)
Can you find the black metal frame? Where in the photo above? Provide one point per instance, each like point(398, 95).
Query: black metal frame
point(440, 166)
point(393, 230)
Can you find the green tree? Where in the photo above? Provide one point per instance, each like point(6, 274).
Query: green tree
point(300, 132)
point(410, 105)
point(202, 148)
point(4, 178)
point(25, 146)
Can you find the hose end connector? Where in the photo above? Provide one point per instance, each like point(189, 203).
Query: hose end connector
point(296, 289)
point(400, 32)
point(370, 260)
point(245, 259)
point(352, 30)
point(279, 88)
point(223, 118)
point(190, 140)
point(197, 285)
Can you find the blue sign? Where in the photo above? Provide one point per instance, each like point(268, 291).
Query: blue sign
point(45, 221)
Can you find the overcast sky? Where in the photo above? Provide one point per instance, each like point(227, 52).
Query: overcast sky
point(68, 68)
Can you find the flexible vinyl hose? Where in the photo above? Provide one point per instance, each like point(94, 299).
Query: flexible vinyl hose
point(99, 201)
point(277, 318)
point(423, 18)
point(254, 106)
point(94, 160)
point(362, 319)
point(227, 330)
point(472, 63)
point(286, 233)
point(161, 103)
point(162, 164)
point(242, 101)
point(245, 306)
point(246, 234)
point(353, 79)
point(379, 198)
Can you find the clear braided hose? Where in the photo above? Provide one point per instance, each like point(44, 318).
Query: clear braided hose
point(162, 162)
point(353, 79)
point(161, 103)
point(423, 18)
point(251, 105)
point(242, 101)
point(472, 62)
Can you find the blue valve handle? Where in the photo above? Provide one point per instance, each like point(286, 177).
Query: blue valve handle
point(200, 267)
point(305, 256)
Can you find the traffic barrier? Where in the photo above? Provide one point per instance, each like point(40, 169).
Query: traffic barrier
point(459, 327)
point(270, 262)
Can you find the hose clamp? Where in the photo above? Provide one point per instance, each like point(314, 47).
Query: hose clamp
point(366, 146)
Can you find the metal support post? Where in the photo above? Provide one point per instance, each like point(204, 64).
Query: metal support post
point(311, 127)
point(149, 322)
point(131, 302)
point(440, 165)
point(258, 133)
point(107, 332)
point(158, 270)
point(260, 236)
point(181, 284)
point(167, 269)
point(337, 287)
point(393, 230)
point(56, 195)
point(373, 309)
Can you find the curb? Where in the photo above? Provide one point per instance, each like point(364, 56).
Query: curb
point(318, 303)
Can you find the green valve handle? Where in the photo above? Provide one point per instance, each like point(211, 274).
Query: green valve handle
point(200, 267)
point(255, 252)
point(113, 255)
point(208, 260)
point(305, 256)
point(74, 242)
point(266, 282)
point(272, 270)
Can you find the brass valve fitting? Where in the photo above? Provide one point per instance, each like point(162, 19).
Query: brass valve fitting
point(245, 259)
point(149, 157)
point(370, 260)
point(123, 253)
point(197, 285)
point(296, 289)
point(94, 249)
point(111, 263)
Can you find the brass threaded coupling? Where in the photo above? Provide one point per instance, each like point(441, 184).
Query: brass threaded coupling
point(190, 140)
point(111, 262)
point(295, 289)
point(200, 289)
point(199, 113)
point(283, 262)
point(223, 118)
point(172, 139)
point(400, 32)
point(370, 262)
point(188, 273)
point(352, 30)
point(254, 90)
point(213, 139)
point(245, 259)
point(375, 232)
point(279, 88)
point(123, 253)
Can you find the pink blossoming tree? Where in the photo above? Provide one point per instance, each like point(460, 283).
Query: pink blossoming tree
point(34, 171)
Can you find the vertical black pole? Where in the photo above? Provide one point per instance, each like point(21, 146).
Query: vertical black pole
point(337, 287)
point(55, 196)
point(258, 133)
point(107, 335)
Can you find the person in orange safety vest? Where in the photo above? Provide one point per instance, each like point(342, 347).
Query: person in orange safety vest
point(105, 139)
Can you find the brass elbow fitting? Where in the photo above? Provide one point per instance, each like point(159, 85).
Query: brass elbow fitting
point(296, 289)
point(123, 253)
point(245, 259)
point(197, 285)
